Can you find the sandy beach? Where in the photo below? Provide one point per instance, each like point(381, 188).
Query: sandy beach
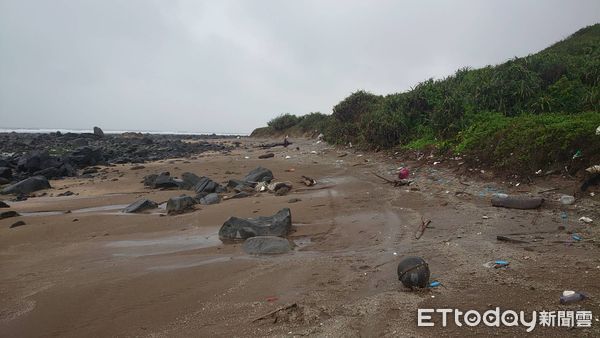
point(81, 267)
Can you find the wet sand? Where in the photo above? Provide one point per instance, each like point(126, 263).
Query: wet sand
point(80, 267)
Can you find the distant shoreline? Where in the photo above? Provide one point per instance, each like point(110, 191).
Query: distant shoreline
point(82, 131)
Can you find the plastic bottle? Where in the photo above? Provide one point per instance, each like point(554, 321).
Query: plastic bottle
point(571, 297)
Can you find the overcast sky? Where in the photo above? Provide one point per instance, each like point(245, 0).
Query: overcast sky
point(230, 66)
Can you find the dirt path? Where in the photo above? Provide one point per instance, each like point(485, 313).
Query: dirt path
point(110, 274)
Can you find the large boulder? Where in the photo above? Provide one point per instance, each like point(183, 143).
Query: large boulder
point(259, 174)
point(6, 173)
point(162, 180)
point(87, 156)
point(266, 245)
point(207, 185)
point(236, 228)
point(179, 204)
point(140, 205)
point(36, 161)
point(27, 186)
point(189, 180)
point(212, 198)
point(98, 132)
point(64, 170)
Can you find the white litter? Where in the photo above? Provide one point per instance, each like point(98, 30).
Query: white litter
point(585, 219)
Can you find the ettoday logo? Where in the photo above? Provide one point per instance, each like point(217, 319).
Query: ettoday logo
point(497, 317)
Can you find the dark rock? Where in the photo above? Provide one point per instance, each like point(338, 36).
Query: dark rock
point(80, 142)
point(162, 180)
point(205, 184)
point(282, 191)
point(27, 186)
point(6, 173)
point(87, 156)
point(4, 181)
point(17, 224)
point(267, 155)
point(235, 228)
point(98, 132)
point(259, 174)
point(266, 245)
point(179, 204)
point(212, 198)
point(89, 171)
point(64, 170)
point(190, 180)
point(413, 272)
point(241, 194)
point(140, 205)
point(66, 193)
point(239, 185)
point(4, 205)
point(8, 214)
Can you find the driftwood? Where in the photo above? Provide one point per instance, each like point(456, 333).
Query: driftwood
point(422, 228)
point(272, 145)
point(510, 240)
point(272, 313)
point(395, 183)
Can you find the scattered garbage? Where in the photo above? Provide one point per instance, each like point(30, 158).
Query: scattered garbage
point(576, 237)
point(595, 169)
point(395, 183)
point(500, 264)
point(413, 272)
point(267, 155)
point(266, 245)
point(516, 202)
point(308, 181)
point(585, 219)
point(434, 284)
point(236, 228)
point(403, 173)
point(567, 199)
point(569, 296)
point(598, 130)
point(577, 154)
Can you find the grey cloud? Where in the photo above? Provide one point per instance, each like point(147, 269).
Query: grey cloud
point(229, 66)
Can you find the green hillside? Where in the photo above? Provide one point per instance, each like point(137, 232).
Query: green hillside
point(529, 113)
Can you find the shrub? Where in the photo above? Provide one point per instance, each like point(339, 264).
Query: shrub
point(283, 122)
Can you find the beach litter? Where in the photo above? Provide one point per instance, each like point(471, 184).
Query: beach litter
point(584, 219)
point(413, 272)
point(569, 296)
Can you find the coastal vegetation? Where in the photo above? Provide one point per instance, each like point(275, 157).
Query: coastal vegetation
point(535, 112)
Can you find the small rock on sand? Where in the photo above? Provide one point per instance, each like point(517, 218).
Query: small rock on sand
point(17, 224)
point(8, 214)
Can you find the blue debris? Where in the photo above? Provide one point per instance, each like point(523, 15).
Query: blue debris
point(434, 284)
point(576, 237)
point(500, 263)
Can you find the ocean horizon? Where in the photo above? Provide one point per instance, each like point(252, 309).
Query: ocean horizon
point(80, 131)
